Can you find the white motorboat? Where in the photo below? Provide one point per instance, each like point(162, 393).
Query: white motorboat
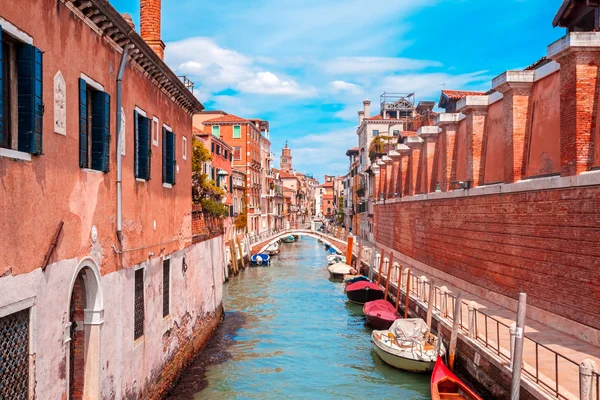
point(273, 249)
point(408, 345)
point(338, 270)
point(336, 258)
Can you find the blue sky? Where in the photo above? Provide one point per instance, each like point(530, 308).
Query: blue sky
point(305, 66)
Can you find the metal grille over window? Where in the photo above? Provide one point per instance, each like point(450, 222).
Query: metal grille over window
point(166, 286)
point(14, 356)
point(139, 304)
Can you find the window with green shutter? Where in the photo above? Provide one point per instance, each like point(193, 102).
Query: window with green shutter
point(143, 152)
point(237, 131)
point(22, 102)
point(168, 157)
point(216, 130)
point(94, 128)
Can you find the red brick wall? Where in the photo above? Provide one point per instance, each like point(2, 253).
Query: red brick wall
point(544, 243)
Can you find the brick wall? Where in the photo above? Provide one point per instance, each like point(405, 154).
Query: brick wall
point(544, 243)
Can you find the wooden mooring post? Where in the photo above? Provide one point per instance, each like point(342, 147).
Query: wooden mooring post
point(359, 258)
point(406, 304)
point(518, 353)
point(388, 264)
point(399, 286)
point(382, 255)
point(372, 263)
point(233, 253)
point(455, 325)
point(349, 251)
point(430, 302)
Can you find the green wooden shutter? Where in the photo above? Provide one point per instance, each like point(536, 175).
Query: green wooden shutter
point(170, 158)
point(164, 155)
point(230, 183)
point(136, 144)
point(1, 92)
point(174, 163)
point(149, 141)
point(101, 131)
point(83, 127)
point(30, 98)
point(143, 148)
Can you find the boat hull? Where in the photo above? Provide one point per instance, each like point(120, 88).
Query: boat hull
point(334, 276)
point(404, 364)
point(378, 323)
point(445, 384)
point(365, 295)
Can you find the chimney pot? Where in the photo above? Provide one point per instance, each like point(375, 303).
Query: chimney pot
point(361, 117)
point(367, 108)
point(129, 20)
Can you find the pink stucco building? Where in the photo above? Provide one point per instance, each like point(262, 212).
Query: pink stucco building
point(101, 289)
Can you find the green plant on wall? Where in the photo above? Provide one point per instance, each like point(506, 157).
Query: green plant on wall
point(205, 191)
point(379, 145)
point(241, 222)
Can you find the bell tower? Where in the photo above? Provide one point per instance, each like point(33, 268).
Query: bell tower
point(286, 159)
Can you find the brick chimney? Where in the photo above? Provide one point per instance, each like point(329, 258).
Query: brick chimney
point(150, 26)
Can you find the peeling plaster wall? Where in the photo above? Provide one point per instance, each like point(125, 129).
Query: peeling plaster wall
point(126, 367)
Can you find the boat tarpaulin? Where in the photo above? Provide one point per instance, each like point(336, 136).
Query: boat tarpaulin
point(411, 329)
point(361, 285)
point(339, 268)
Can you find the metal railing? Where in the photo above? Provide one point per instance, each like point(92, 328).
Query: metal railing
point(495, 335)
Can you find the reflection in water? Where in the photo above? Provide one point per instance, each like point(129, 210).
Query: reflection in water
point(290, 333)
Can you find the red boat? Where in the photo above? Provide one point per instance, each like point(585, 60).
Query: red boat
point(363, 291)
point(380, 314)
point(446, 385)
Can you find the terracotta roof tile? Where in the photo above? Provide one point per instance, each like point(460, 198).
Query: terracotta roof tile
point(459, 94)
point(226, 119)
point(378, 117)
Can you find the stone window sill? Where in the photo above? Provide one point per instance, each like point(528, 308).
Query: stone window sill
point(15, 155)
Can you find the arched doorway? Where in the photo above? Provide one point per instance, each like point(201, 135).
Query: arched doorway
point(85, 317)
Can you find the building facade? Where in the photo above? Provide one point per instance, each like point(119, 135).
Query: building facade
point(94, 296)
point(244, 137)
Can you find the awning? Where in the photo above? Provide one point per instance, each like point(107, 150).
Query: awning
point(222, 172)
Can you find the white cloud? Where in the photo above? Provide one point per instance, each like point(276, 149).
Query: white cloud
point(268, 83)
point(215, 68)
point(375, 65)
point(342, 86)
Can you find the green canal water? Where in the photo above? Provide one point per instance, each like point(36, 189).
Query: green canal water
point(289, 333)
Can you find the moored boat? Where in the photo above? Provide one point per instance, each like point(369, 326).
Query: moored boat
point(338, 270)
point(446, 385)
point(380, 314)
point(408, 345)
point(288, 239)
point(363, 291)
point(260, 259)
point(355, 278)
point(273, 249)
point(336, 258)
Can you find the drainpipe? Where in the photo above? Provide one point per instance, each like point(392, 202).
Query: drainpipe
point(120, 145)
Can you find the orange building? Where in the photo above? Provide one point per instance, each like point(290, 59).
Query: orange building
point(244, 137)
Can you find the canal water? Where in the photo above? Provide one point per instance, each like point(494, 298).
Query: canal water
point(289, 333)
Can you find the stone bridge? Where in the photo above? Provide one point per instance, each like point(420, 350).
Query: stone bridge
point(259, 244)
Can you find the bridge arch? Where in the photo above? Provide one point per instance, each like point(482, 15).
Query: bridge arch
point(300, 232)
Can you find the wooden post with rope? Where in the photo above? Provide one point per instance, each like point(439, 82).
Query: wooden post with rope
point(407, 292)
point(380, 267)
point(242, 263)
point(399, 286)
